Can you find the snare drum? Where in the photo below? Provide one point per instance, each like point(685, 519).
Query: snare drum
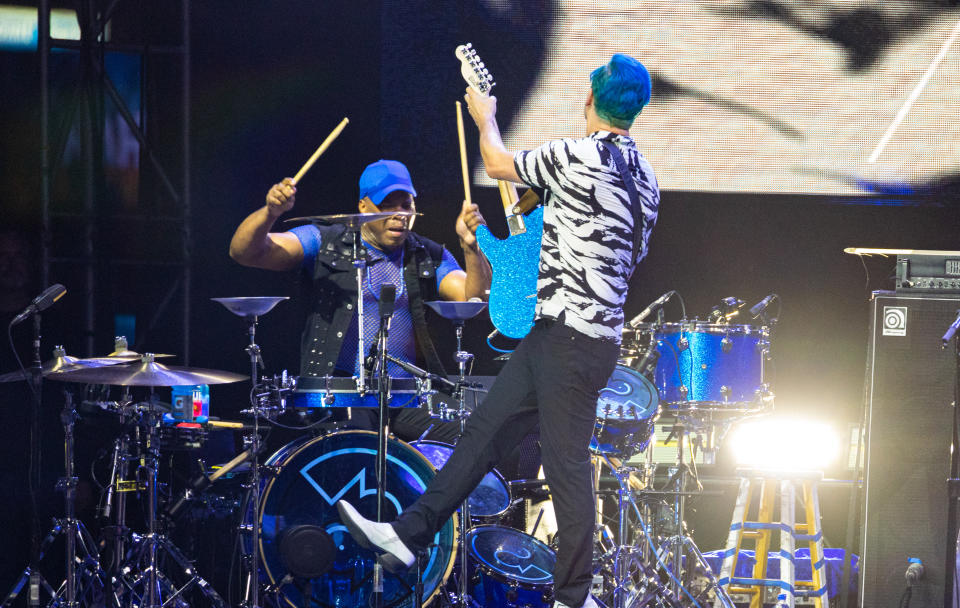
point(514, 569)
point(490, 499)
point(626, 412)
point(711, 364)
point(334, 391)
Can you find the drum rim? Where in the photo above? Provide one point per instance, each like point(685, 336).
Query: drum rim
point(499, 576)
point(503, 480)
point(703, 327)
point(294, 448)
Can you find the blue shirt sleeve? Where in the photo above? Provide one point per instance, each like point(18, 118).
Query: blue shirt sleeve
point(309, 236)
point(447, 265)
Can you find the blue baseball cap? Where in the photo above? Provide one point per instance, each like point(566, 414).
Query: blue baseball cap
point(383, 177)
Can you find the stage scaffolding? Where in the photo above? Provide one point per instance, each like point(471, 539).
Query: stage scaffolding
point(131, 257)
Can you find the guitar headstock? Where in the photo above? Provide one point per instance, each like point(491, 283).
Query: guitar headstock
point(473, 70)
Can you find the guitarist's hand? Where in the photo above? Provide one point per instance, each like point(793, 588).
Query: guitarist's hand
point(483, 108)
point(467, 223)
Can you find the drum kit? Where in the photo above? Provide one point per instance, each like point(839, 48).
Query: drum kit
point(294, 550)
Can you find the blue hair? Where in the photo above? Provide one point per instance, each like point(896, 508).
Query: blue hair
point(620, 90)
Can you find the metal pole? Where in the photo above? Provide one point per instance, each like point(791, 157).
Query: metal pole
point(187, 209)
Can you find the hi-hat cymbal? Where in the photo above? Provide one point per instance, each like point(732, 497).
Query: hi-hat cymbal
point(147, 373)
point(352, 221)
point(62, 362)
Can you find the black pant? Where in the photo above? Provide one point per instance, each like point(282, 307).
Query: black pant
point(553, 377)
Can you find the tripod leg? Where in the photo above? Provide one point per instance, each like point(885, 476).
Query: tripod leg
point(194, 579)
point(52, 534)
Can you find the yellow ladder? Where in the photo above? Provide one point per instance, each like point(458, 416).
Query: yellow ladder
point(760, 531)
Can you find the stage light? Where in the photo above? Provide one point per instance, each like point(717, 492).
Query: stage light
point(785, 444)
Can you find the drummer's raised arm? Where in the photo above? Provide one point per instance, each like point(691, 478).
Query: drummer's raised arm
point(254, 245)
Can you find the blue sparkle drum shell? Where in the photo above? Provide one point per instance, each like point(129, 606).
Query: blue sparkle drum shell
point(491, 497)
point(311, 475)
point(627, 409)
point(514, 569)
point(711, 365)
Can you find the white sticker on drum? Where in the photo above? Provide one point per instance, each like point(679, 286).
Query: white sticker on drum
point(894, 320)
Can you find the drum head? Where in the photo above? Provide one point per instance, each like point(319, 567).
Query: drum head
point(299, 503)
point(627, 409)
point(511, 556)
point(490, 498)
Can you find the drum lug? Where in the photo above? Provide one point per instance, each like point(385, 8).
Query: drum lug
point(684, 391)
point(763, 347)
point(764, 394)
point(725, 392)
point(726, 344)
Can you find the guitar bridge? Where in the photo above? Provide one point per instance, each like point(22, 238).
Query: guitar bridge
point(515, 224)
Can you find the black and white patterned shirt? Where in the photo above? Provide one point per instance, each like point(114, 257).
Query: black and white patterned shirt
point(588, 228)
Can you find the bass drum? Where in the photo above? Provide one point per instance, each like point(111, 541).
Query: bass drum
point(306, 552)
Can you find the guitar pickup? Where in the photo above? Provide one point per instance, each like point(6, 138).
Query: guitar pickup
point(515, 224)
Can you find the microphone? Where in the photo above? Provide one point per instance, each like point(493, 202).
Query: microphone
point(42, 302)
point(656, 304)
point(915, 571)
point(762, 305)
point(388, 299)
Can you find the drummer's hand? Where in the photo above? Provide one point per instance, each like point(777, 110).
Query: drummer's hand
point(467, 223)
point(281, 197)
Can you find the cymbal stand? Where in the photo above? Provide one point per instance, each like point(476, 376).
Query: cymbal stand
point(462, 357)
point(74, 533)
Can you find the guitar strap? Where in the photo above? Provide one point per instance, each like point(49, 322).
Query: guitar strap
point(632, 193)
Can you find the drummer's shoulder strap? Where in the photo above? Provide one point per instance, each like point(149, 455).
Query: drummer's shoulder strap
point(420, 277)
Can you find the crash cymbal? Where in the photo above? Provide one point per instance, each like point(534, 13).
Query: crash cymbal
point(132, 355)
point(62, 362)
point(147, 373)
point(457, 311)
point(352, 221)
point(253, 306)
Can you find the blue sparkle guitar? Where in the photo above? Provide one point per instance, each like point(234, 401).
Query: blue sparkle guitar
point(514, 260)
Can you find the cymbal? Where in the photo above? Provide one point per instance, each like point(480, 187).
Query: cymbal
point(352, 221)
point(253, 306)
point(62, 363)
point(457, 311)
point(127, 355)
point(147, 373)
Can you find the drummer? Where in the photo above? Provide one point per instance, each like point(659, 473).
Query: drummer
point(420, 269)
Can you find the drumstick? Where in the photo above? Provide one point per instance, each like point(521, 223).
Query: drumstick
point(463, 155)
point(323, 147)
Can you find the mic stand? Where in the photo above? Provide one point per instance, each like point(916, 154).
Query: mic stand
point(383, 398)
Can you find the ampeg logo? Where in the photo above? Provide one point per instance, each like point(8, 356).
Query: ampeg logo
point(894, 320)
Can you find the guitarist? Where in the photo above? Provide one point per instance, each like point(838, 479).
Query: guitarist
point(600, 204)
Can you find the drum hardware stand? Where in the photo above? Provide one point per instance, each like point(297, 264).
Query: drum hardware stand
point(458, 313)
point(250, 309)
point(141, 566)
point(74, 532)
point(681, 543)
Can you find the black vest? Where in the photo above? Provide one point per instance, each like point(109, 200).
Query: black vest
point(333, 299)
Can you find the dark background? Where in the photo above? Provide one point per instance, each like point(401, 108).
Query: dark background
point(271, 80)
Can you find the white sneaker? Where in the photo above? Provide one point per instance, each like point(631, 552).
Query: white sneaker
point(380, 537)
